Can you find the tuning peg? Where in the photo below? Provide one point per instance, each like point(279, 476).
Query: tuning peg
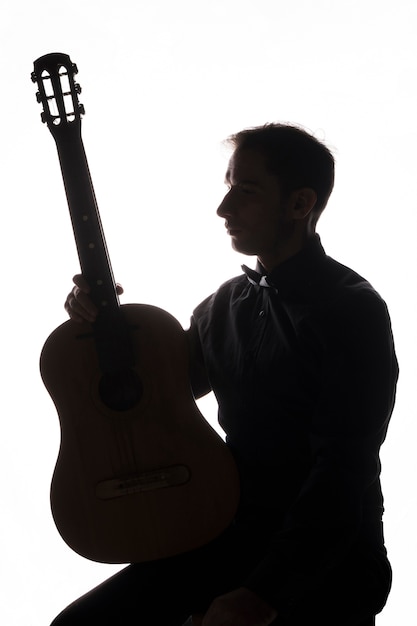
point(74, 68)
point(43, 118)
point(34, 77)
point(81, 109)
point(77, 88)
point(38, 97)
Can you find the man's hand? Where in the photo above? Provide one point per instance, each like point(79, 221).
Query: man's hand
point(240, 607)
point(79, 305)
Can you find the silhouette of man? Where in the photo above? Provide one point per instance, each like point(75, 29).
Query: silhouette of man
point(300, 355)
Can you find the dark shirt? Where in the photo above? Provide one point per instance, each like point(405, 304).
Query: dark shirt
point(303, 367)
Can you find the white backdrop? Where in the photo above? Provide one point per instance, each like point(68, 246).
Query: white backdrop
point(164, 83)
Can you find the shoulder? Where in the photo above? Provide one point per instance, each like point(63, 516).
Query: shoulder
point(228, 292)
point(348, 307)
point(347, 288)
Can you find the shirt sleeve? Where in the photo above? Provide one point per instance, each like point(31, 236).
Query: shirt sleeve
point(200, 383)
point(357, 381)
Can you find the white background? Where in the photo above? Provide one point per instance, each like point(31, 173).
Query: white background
point(164, 83)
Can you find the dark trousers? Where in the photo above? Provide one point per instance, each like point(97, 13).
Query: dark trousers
point(165, 593)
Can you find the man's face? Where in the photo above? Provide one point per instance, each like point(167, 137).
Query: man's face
point(254, 209)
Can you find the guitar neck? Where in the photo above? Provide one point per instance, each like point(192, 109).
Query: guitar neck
point(58, 92)
point(86, 223)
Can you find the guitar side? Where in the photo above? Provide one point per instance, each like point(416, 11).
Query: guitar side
point(145, 483)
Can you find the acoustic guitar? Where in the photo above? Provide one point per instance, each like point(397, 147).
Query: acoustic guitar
point(140, 474)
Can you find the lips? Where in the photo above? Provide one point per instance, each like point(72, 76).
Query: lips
point(232, 229)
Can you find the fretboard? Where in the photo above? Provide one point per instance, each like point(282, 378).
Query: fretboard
point(86, 223)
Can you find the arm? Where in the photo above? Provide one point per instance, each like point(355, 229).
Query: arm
point(240, 606)
point(198, 376)
point(357, 388)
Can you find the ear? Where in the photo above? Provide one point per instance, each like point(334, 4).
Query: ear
point(302, 202)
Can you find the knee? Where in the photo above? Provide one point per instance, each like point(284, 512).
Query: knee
point(65, 619)
point(58, 621)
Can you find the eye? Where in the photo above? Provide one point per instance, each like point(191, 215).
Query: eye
point(246, 189)
point(242, 188)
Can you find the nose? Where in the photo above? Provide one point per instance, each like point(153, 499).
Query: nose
point(225, 208)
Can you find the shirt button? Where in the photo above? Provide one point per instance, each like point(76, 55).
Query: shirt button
point(261, 313)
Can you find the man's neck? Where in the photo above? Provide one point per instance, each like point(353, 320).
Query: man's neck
point(285, 252)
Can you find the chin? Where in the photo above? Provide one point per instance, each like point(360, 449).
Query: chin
point(242, 249)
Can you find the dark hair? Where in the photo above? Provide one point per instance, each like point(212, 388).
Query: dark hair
point(294, 155)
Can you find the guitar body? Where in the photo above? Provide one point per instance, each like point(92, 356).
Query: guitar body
point(140, 474)
point(110, 495)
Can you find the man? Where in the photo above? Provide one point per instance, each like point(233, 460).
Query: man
point(300, 356)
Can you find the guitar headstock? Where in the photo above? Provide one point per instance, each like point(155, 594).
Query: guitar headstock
point(58, 93)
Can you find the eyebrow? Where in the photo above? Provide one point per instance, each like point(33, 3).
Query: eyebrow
point(245, 181)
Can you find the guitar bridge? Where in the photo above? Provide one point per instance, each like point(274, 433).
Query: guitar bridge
point(172, 476)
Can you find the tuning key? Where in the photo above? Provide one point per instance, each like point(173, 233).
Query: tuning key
point(77, 88)
point(81, 109)
point(34, 77)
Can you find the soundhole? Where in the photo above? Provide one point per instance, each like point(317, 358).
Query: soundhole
point(120, 390)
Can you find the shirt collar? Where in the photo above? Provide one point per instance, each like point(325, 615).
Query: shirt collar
point(293, 274)
point(256, 277)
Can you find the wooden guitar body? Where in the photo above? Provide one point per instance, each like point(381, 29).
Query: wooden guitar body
point(145, 483)
point(140, 474)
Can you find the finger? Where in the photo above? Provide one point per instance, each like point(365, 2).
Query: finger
point(73, 315)
point(83, 304)
point(81, 283)
point(71, 308)
point(80, 307)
